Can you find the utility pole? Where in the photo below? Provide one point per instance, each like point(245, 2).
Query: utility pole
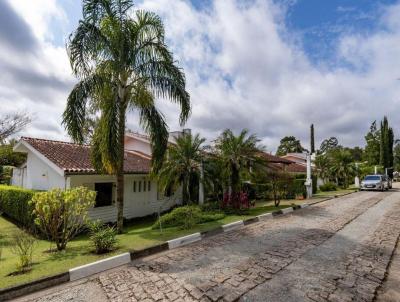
point(308, 182)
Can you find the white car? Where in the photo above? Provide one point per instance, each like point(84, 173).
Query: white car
point(374, 182)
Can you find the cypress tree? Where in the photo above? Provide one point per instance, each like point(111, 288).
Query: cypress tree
point(390, 147)
point(386, 144)
point(312, 142)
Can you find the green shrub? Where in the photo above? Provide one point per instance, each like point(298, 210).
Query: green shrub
point(186, 217)
point(14, 202)
point(206, 217)
point(61, 215)
point(296, 188)
point(329, 186)
point(103, 237)
point(23, 245)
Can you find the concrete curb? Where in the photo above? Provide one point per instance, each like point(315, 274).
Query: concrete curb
point(98, 266)
point(27, 288)
point(232, 226)
point(115, 261)
point(181, 241)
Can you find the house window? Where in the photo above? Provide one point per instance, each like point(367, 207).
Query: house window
point(144, 186)
point(140, 186)
point(104, 194)
point(134, 186)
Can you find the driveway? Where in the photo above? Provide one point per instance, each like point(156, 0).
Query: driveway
point(337, 250)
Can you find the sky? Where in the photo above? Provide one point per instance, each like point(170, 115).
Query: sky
point(271, 66)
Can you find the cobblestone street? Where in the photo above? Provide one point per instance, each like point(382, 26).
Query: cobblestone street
point(338, 250)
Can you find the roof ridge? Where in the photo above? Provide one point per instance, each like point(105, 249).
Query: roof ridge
point(53, 141)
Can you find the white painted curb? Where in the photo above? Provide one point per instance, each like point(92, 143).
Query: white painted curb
point(233, 226)
point(287, 210)
point(98, 266)
point(265, 216)
point(184, 240)
point(304, 205)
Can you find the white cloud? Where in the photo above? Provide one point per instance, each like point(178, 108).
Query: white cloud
point(39, 14)
point(242, 69)
point(273, 89)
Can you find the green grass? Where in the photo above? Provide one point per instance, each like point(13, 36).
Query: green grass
point(79, 251)
point(338, 192)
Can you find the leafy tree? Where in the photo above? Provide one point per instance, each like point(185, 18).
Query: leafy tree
point(357, 153)
point(372, 149)
point(122, 63)
point(279, 183)
point(183, 165)
point(328, 145)
point(289, 144)
point(12, 123)
point(396, 156)
point(312, 139)
point(237, 154)
point(61, 214)
point(10, 158)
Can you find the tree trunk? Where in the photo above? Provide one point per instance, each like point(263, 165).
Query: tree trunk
point(120, 201)
point(120, 168)
point(185, 194)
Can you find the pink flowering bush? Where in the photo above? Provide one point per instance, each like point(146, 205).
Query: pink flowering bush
point(237, 201)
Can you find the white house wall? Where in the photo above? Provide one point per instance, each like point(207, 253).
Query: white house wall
point(136, 204)
point(40, 176)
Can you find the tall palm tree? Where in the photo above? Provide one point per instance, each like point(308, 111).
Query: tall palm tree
point(183, 164)
point(123, 64)
point(238, 154)
point(342, 166)
point(323, 164)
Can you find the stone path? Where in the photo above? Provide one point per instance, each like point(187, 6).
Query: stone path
point(334, 251)
point(390, 291)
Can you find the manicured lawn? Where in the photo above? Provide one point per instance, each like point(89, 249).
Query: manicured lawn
point(137, 236)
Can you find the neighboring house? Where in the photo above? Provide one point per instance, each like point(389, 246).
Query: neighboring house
point(283, 164)
point(55, 164)
point(299, 158)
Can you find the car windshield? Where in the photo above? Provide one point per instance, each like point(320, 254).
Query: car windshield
point(372, 177)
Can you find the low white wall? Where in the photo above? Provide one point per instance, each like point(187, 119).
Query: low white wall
point(136, 204)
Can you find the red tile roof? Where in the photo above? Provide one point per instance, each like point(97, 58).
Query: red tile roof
point(296, 168)
point(75, 158)
point(275, 159)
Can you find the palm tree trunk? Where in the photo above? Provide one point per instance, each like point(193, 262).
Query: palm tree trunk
point(185, 191)
point(120, 171)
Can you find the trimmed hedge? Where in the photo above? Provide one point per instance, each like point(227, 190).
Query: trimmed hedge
point(186, 217)
point(14, 202)
point(329, 186)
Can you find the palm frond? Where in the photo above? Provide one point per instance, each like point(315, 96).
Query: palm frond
point(154, 124)
point(74, 116)
point(84, 47)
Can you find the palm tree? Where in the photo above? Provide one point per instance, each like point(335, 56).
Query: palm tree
point(342, 166)
point(183, 165)
point(123, 64)
point(238, 154)
point(322, 164)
